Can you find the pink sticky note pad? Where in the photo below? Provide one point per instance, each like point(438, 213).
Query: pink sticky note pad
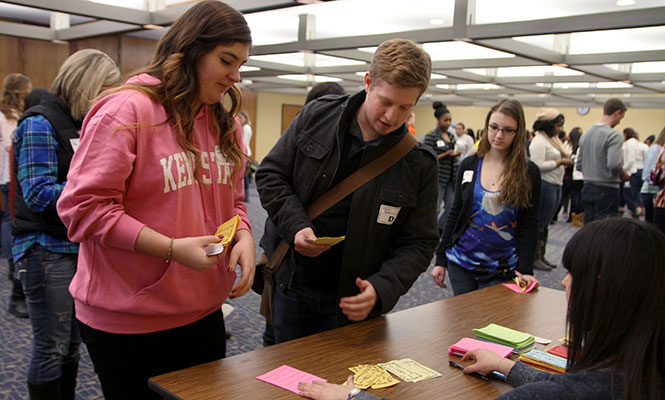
point(466, 344)
point(288, 378)
point(517, 289)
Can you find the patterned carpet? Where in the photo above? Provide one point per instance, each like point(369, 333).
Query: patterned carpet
point(244, 323)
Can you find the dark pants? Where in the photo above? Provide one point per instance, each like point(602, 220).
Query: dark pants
point(6, 225)
point(576, 197)
point(599, 202)
point(464, 281)
point(631, 194)
point(302, 311)
point(45, 277)
point(125, 362)
point(647, 201)
point(659, 217)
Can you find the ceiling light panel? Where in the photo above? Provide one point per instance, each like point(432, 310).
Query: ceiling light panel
point(513, 72)
point(309, 78)
point(135, 4)
point(492, 11)
point(648, 67)
point(298, 59)
point(449, 51)
point(618, 40)
point(368, 17)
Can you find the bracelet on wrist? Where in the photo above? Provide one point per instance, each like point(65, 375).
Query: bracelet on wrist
point(169, 252)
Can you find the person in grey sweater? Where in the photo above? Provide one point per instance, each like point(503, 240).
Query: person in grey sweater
point(600, 160)
point(615, 308)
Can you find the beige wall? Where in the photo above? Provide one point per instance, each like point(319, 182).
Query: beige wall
point(646, 121)
point(269, 119)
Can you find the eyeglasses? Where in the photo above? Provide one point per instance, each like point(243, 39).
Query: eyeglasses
point(495, 129)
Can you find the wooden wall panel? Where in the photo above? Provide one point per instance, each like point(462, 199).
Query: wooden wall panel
point(42, 60)
point(135, 53)
point(249, 100)
point(10, 54)
point(108, 44)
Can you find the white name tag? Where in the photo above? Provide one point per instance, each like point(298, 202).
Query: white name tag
point(387, 214)
point(75, 143)
point(440, 143)
point(467, 176)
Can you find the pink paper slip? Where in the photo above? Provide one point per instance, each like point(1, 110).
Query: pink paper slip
point(465, 344)
point(517, 289)
point(288, 378)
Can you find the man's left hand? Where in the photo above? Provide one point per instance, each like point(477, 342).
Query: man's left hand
point(358, 307)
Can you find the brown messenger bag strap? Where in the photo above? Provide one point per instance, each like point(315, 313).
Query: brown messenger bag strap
point(349, 185)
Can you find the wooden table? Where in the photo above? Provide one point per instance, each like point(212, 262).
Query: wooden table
point(422, 333)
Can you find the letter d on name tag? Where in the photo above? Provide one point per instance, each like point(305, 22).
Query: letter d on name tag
point(387, 214)
point(467, 176)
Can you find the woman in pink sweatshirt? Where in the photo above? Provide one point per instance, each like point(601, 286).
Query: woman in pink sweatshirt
point(157, 170)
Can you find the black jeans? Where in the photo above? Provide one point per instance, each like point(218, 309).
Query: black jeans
point(125, 362)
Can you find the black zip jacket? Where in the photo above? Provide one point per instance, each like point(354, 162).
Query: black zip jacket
point(301, 167)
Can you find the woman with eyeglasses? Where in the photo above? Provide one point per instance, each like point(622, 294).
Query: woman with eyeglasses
point(490, 234)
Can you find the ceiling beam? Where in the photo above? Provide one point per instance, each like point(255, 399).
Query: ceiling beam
point(96, 28)
point(89, 9)
point(579, 23)
point(26, 31)
point(612, 58)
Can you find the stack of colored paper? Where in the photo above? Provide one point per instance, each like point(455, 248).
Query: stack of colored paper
point(561, 351)
point(544, 361)
point(506, 336)
point(466, 344)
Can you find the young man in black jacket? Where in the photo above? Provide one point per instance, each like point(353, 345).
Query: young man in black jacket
point(389, 223)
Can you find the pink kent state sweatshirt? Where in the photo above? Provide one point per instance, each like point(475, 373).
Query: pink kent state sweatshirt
point(123, 178)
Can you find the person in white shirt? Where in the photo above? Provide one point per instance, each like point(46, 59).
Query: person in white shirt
point(464, 142)
point(633, 163)
point(243, 117)
point(549, 154)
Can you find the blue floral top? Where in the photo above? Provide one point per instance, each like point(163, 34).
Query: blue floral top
point(489, 242)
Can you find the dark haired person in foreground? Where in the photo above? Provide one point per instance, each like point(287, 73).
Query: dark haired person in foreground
point(616, 323)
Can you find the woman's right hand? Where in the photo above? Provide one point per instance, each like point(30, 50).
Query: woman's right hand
point(439, 276)
point(486, 361)
point(189, 252)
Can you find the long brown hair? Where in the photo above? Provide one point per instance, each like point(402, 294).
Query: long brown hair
point(515, 181)
point(615, 315)
point(15, 88)
point(198, 31)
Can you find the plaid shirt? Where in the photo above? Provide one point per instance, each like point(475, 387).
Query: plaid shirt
point(35, 149)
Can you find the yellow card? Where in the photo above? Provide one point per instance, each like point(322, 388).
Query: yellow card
point(409, 370)
point(330, 241)
point(367, 375)
point(228, 229)
point(384, 381)
point(520, 283)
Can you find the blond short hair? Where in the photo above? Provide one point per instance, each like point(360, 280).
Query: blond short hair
point(401, 62)
point(82, 77)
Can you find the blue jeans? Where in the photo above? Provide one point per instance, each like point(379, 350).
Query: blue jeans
point(6, 225)
point(45, 277)
point(599, 202)
point(549, 204)
point(464, 281)
point(301, 311)
point(446, 196)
